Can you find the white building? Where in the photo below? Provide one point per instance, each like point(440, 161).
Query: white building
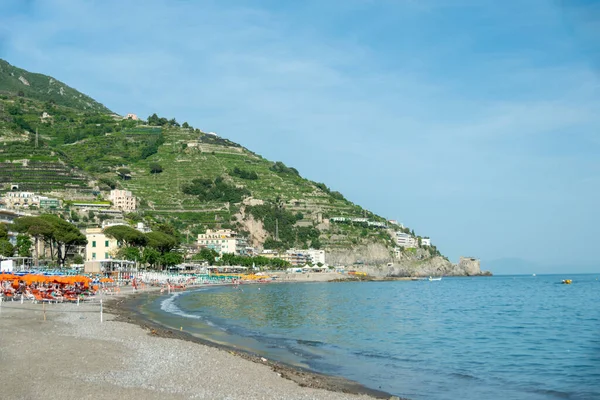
point(315, 256)
point(99, 246)
point(223, 241)
point(123, 200)
point(298, 257)
point(405, 240)
point(425, 241)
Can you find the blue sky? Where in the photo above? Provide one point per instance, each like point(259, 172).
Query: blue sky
point(475, 122)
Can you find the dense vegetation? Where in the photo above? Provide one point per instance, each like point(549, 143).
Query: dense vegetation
point(157, 248)
point(59, 235)
point(244, 174)
point(215, 190)
point(212, 258)
point(280, 224)
point(281, 168)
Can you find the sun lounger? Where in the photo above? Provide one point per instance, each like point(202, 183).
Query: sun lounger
point(40, 299)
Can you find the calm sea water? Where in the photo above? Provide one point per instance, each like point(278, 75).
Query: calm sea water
point(508, 337)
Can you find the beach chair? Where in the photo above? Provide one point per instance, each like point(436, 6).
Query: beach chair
point(70, 298)
point(38, 298)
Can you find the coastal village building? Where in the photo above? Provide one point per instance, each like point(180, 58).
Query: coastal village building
point(366, 221)
point(7, 217)
point(123, 200)
point(298, 257)
point(405, 240)
point(295, 257)
point(19, 199)
point(132, 117)
point(315, 256)
point(223, 241)
point(99, 246)
point(14, 200)
point(425, 241)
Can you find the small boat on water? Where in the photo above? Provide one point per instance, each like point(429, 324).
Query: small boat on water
point(567, 281)
point(435, 279)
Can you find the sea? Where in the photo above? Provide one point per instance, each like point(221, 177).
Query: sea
point(472, 338)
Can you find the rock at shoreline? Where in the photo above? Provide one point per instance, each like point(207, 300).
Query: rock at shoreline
point(376, 260)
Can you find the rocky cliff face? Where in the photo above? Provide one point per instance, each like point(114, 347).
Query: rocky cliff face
point(470, 266)
point(367, 254)
point(377, 260)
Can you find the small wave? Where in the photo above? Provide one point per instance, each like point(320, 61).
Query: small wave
point(312, 343)
point(464, 376)
point(375, 355)
point(168, 305)
point(553, 393)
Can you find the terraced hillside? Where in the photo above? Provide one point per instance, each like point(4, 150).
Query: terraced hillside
point(192, 179)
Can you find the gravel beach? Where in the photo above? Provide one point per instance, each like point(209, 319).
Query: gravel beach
point(73, 355)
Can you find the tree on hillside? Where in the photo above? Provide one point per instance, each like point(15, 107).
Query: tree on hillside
point(167, 228)
point(3, 232)
point(126, 235)
point(23, 247)
point(35, 227)
point(150, 256)
point(171, 258)
point(155, 168)
point(161, 241)
point(154, 120)
point(242, 173)
point(207, 254)
point(124, 173)
point(64, 237)
point(185, 125)
point(108, 182)
point(6, 249)
point(215, 190)
point(130, 253)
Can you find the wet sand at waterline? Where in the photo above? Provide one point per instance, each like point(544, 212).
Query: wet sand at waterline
point(72, 354)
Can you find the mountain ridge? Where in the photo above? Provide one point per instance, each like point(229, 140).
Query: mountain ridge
point(190, 178)
point(45, 88)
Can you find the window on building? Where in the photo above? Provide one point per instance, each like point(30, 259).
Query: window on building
point(94, 244)
point(106, 256)
point(106, 243)
point(93, 256)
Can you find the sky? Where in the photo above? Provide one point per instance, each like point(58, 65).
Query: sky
point(474, 122)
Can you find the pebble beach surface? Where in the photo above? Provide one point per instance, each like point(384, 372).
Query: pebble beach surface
point(72, 354)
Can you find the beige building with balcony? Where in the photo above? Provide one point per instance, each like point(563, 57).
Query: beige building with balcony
point(99, 246)
point(223, 241)
point(123, 200)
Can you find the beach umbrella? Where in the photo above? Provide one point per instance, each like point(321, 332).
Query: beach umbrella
point(30, 278)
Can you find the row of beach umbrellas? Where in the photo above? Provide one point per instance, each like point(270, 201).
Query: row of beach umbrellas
point(65, 280)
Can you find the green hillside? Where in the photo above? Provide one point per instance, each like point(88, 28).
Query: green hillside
point(44, 88)
point(181, 175)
